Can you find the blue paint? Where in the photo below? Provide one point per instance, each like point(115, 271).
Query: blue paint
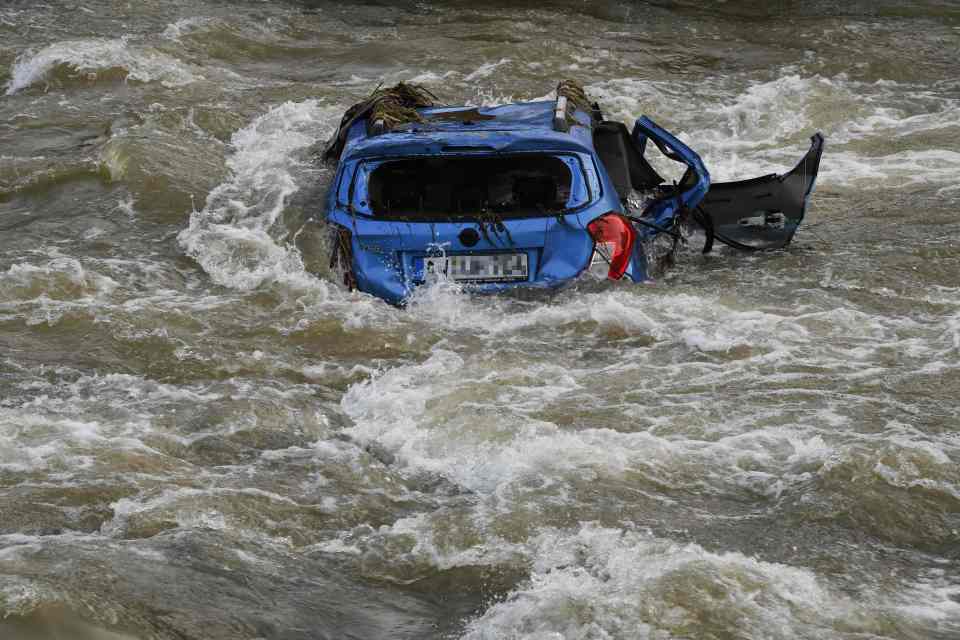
point(387, 255)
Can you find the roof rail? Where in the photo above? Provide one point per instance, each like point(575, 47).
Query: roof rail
point(571, 97)
point(560, 121)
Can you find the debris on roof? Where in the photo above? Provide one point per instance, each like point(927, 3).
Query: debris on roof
point(385, 109)
point(575, 95)
point(393, 108)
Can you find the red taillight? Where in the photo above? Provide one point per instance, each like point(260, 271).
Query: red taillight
point(616, 232)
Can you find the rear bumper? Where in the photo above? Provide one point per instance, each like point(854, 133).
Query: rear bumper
point(764, 213)
point(388, 257)
point(396, 286)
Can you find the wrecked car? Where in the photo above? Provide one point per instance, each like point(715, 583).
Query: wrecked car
point(530, 194)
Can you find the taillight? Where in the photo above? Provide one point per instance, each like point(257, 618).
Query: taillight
point(614, 236)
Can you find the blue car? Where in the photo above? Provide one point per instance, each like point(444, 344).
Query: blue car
point(531, 194)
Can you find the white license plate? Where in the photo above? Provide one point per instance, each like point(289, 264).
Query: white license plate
point(490, 267)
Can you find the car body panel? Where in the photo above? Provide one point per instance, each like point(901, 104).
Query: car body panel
point(763, 213)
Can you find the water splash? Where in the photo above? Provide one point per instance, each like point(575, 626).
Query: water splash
point(235, 237)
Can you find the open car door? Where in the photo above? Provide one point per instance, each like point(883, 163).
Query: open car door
point(761, 213)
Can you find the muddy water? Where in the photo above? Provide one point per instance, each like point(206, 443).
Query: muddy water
point(202, 436)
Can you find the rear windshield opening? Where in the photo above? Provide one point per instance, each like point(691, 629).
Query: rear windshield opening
point(443, 188)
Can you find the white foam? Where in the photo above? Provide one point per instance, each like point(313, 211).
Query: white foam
point(60, 277)
point(47, 427)
point(234, 237)
point(428, 77)
point(447, 304)
point(189, 508)
point(96, 54)
point(608, 583)
point(904, 168)
point(185, 26)
point(34, 441)
point(934, 599)
point(485, 70)
point(482, 421)
point(44, 293)
point(743, 127)
point(414, 412)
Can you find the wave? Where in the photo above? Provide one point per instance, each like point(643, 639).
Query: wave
point(234, 236)
point(184, 26)
point(61, 278)
point(97, 57)
point(746, 127)
point(600, 582)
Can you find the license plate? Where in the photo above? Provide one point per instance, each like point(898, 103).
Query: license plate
point(490, 267)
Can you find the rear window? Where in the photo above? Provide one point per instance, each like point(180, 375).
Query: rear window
point(451, 187)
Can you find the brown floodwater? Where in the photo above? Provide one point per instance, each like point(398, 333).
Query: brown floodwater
point(203, 436)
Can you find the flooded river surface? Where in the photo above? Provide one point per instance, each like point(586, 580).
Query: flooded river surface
point(202, 436)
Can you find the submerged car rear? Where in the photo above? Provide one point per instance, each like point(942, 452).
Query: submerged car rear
point(491, 221)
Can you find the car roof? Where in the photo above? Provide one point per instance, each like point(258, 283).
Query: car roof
point(516, 127)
